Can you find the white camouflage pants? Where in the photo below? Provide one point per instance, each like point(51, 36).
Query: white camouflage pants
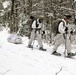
point(59, 39)
point(36, 35)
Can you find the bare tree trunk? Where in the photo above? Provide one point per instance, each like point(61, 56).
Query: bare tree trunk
point(11, 16)
point(14, 16)
point(29, 7)
point(12, 7)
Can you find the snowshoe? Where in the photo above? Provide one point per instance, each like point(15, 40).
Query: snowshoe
point(56, 53)
point(30, 46)
point(71, 55)
point(41, 48)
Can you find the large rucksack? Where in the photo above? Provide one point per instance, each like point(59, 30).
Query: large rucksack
point(55, 24)
point(14, 38)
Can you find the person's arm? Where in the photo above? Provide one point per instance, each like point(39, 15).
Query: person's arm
point(34, 25)
point(61, 28)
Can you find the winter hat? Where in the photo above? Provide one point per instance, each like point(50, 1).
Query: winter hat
point(41, 17)
point(67, 16)
point(31, 17)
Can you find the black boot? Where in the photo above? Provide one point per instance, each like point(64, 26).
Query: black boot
point(56, 53)
point(30, 46)
point(71, 54)
point(41, 48)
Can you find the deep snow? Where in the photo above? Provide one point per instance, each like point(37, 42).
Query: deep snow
point(17, 59)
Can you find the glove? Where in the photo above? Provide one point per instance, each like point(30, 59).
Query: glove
point(43, 32)
point(71, 32)
point(66, 29)
point(37, 25)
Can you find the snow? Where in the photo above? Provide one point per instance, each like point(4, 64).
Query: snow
point(74, 0)
point(6, 4)
point(17, 59)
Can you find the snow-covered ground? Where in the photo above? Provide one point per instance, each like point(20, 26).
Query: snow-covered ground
point(17, 59)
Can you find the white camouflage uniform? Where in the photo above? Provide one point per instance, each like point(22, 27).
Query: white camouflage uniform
point(36, 34)
point(59, 38)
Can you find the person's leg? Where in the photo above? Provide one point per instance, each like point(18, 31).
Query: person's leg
point(32, 37)
point(68, 46)
point(58, 41)
point(40, 41)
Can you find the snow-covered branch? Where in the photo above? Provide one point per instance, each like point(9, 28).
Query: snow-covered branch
point(5, 72)
point(59, 71)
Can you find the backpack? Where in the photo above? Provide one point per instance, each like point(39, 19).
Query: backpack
point(35, 25)
point(55, 24)
point(14, 38)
